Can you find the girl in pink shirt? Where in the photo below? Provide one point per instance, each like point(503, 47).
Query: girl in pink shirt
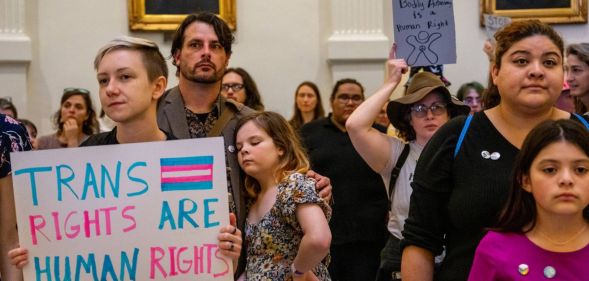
point(542, 231)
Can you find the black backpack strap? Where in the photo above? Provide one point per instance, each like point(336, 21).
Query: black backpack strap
point(396, 170)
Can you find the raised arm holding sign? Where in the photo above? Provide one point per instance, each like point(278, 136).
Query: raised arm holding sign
point(426, 107)
point(424, 32)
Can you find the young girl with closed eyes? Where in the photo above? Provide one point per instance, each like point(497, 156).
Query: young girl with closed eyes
point(287, 232)
point(542, 231)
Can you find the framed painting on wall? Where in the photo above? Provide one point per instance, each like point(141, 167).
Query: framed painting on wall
point(167, 14)
point(549, 11)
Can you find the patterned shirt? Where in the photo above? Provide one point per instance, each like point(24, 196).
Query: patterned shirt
point(199, 125)
point(13, 138)
point(274, 241)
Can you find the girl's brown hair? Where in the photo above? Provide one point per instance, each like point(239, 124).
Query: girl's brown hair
point(519, 213)
point(293, 159)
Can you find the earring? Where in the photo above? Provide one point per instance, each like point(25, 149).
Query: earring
point(526, 188)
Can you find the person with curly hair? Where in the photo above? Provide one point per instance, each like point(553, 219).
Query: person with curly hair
point(75, 121)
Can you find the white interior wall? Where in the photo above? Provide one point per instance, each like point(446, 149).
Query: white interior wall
point(281, 43)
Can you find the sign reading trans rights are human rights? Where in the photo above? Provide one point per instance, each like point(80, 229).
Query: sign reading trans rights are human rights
point(424, 31)
point(146, 211)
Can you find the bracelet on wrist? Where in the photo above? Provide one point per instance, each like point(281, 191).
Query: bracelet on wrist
point(294, 271)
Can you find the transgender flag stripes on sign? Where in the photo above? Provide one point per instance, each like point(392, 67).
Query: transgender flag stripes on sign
point(187, 173)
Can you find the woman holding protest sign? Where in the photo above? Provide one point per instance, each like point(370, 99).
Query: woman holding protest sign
point(132, 76)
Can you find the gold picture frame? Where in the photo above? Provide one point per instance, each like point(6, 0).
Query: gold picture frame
point(560, 11)
point(140, 20)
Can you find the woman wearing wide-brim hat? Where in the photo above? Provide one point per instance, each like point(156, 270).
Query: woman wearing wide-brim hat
point(426, 106)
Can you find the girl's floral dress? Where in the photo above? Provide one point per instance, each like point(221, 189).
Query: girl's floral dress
point(273, 242)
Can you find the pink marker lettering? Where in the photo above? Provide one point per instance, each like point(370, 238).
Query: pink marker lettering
point(209, 255)
point(172, 261)
point(106, 212)
point(56, 225)
point(88, 222)
point(130, 218)
point(157, 254)
point(198, 259)
point(183, 261)
point(215, 275)
point(75, 227)
point(36, 227)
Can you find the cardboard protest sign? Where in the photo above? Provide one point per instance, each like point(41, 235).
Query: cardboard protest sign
point(494, 23)
point(146, 211)
point(424, 31)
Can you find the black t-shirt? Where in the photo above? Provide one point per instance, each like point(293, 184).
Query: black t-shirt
point(107, 138)
point(360, 199)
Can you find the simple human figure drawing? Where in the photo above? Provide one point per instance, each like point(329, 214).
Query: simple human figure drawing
point(421, 45)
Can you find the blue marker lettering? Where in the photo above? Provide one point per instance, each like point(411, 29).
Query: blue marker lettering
point(64, 181)
point(31, 172)
point(45, 271)
point(184, 214)
point(135, 179)
point(90, 180)
point(167, 216)
point(88, 266)
point(130, 266)
point(108, 268)
point(114, 186)
point(67, 275)
point(208, 212)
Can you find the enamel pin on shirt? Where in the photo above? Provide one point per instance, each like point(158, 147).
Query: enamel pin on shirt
point(488, 155)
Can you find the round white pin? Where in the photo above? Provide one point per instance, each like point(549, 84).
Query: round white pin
point(549, 272)
point(485, 154)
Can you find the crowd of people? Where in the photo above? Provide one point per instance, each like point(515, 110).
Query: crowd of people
point(428, 186)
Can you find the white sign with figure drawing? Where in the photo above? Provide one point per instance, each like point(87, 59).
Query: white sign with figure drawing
point(424, 31)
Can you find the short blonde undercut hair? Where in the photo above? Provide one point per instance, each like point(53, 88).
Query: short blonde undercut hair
point(154, 61)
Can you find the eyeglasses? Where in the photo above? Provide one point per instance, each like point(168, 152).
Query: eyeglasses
point(233, 86)
point(75, 90)
point(420, 110)
point(344, 98)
